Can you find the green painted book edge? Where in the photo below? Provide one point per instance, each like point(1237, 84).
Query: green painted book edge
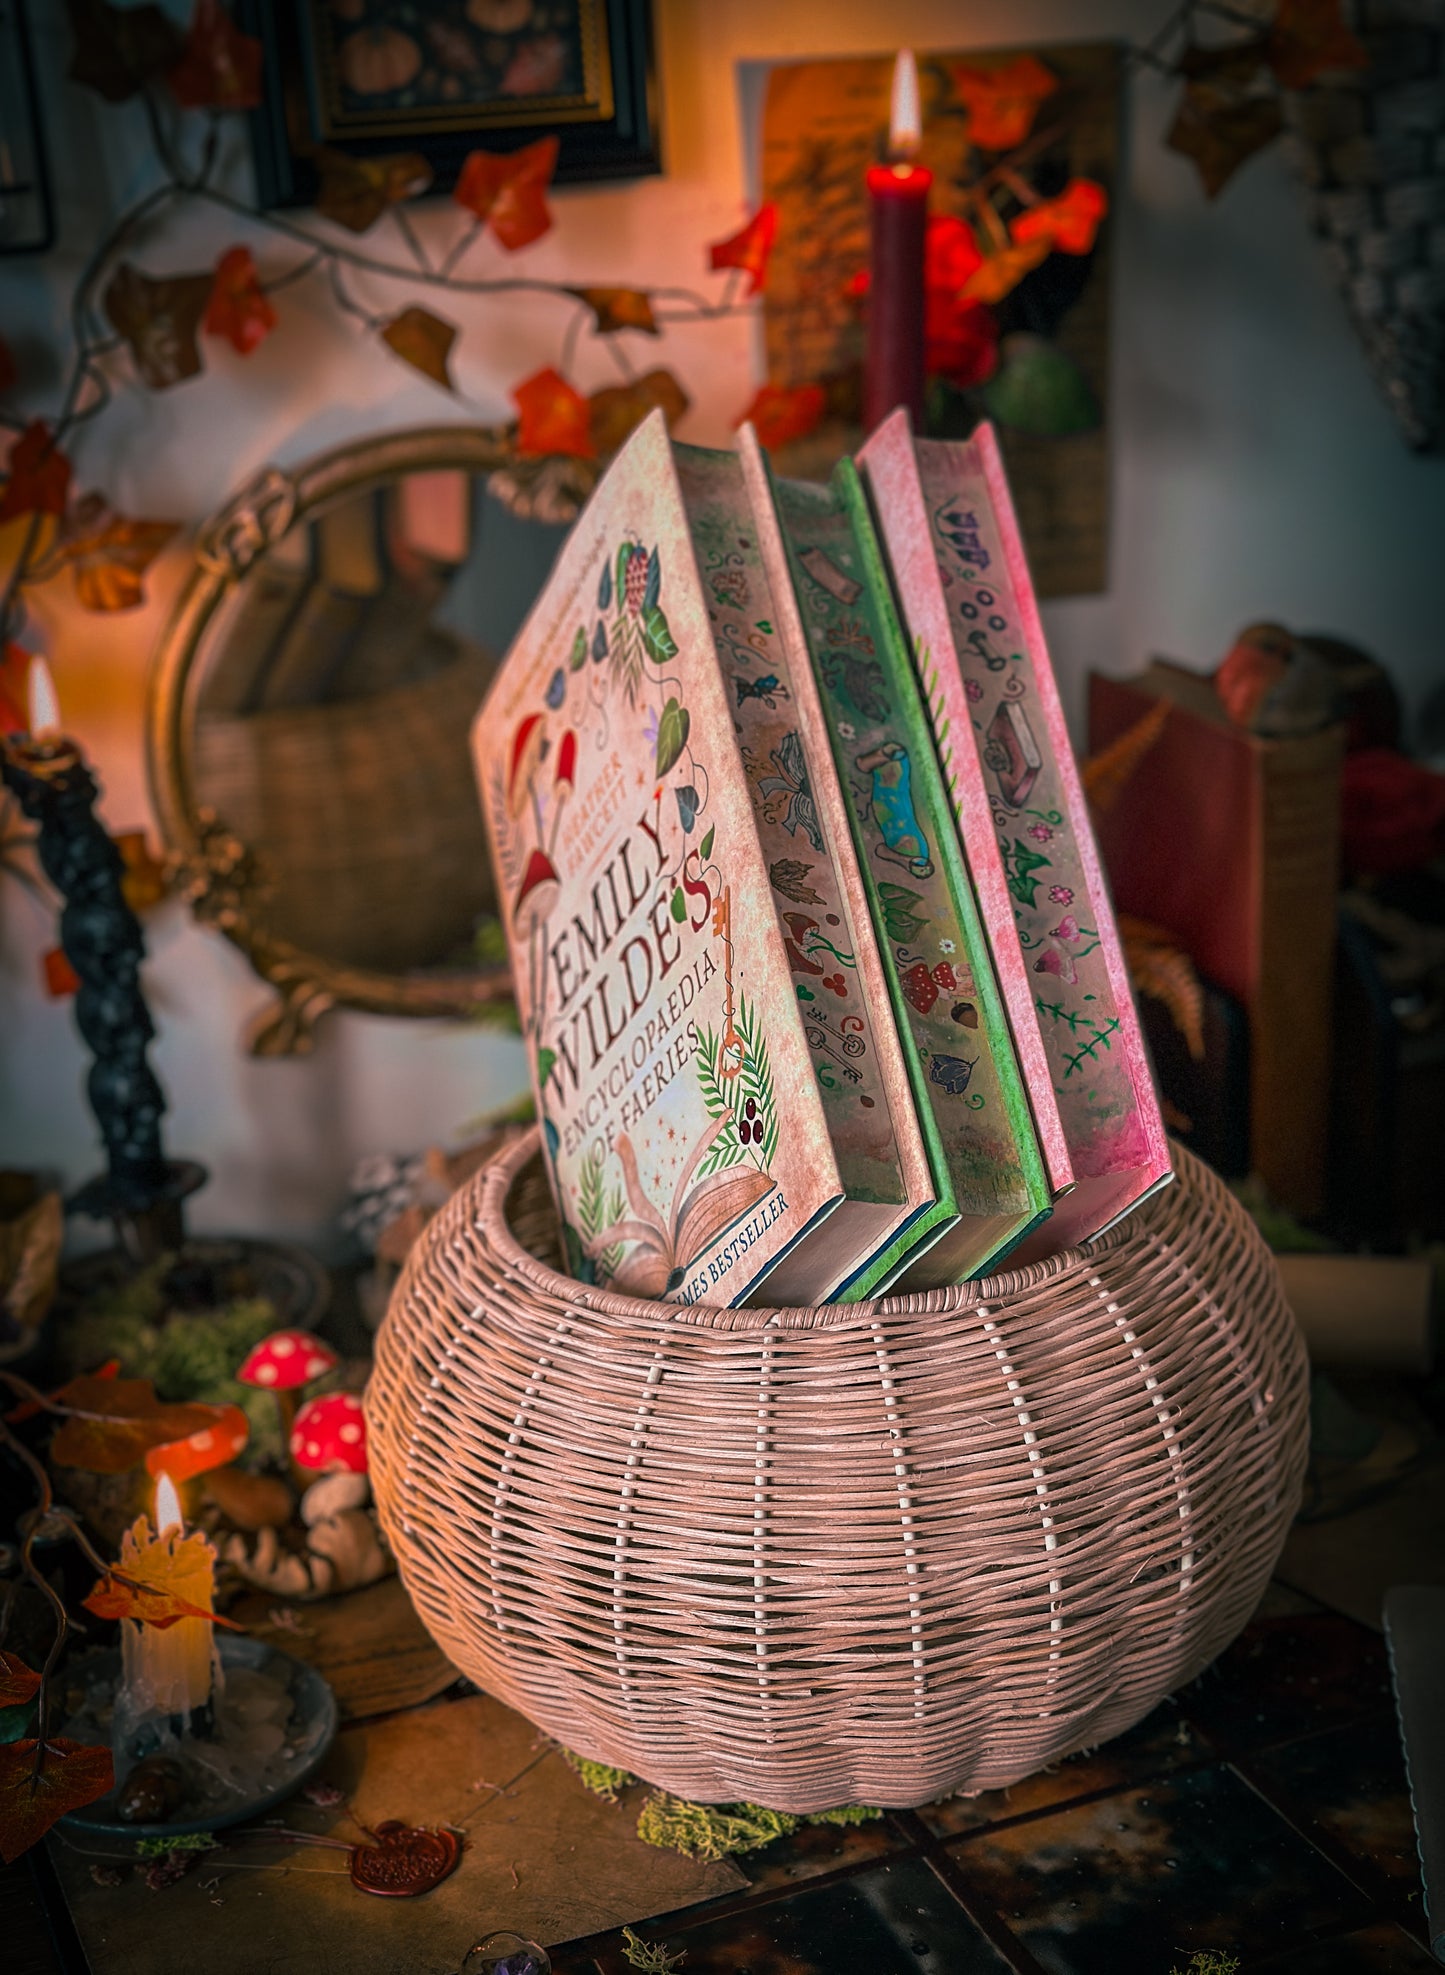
point(903, 683)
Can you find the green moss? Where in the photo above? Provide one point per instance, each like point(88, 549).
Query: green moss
point(651, 1957)
point(184, 1841)
point(1208, 1961)
point(844, 1814)
point(709, 1831)
point(599, 1777)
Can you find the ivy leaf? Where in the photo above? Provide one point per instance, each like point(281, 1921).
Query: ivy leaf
point(621, 408)
point(505, 190)
point(424, 341)
point(652, 588)
point(678, 906)
point(1309, 38)
point(749, 249)
point(159, 320)
point(355, 192)
point(109, 554)
point(1219, 129)
point(219, 68)
point(619, 308)
point(38, 475)
point(704, 849)
point(117, 49)
point(125, 1421)
point(672, 731)
point(999, 274)
point(151, 1599)
point(239, 308)
point(18, 1682)
point(70, 1775)
point(781, 413)
point(552, 417)
point(577, 657)
point(1069, 223)
point(657, 639)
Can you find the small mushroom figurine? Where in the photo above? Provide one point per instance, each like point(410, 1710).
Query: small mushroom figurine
point(282, 1363)
point(343, 1550)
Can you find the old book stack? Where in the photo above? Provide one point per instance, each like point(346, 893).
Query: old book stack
point(817, 974)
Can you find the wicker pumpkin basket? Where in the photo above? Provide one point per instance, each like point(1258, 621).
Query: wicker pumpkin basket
point(869, 1553)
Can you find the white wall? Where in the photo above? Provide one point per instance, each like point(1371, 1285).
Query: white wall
point(1256, 473)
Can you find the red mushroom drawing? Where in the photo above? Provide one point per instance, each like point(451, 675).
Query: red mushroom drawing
point(282, 1363)
point(536, 895)
point(563, 781)
point(528, 745)
point(330, 1435)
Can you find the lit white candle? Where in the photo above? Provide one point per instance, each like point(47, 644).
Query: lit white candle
point(168, 1669)
point(44, 702)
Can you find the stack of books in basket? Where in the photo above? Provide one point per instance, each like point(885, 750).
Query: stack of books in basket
point(813, 956)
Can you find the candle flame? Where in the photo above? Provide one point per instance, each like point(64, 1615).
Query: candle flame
point(905, 128)
point(168, 1505)
point(44, 706)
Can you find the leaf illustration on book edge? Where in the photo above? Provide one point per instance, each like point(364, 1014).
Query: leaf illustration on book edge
point(704, 850)
point(652, 589)
point(789, 875)
point(656, 637)
point(577, 657)
point(672, 731)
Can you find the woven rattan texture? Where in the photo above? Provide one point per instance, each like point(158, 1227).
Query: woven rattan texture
point(872, 1553)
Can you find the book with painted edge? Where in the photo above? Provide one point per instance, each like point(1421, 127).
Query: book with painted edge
point(999, 725)
point(817, 890)
point(684, 1135)
point(965, 1078)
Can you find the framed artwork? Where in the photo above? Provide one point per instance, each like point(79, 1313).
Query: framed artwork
point(1004, 130)
point(445, 77)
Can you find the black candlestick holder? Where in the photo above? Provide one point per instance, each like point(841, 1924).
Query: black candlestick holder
point(141, 1190)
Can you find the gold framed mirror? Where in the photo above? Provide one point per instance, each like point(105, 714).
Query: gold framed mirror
point(308, 720)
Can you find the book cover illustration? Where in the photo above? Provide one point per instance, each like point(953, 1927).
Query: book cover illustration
point(999, 694)
point(802, 825)
point(966, 1081)
point(683, 1134)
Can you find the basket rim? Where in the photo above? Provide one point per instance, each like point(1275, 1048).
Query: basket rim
point(488, 1192)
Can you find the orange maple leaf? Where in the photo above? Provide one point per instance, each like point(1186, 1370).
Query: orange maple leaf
point(1308, 38)
point(239, 308)
point(38, 474)
point(552, 417)
point(109, 553)
point(1068, 223)
point(505, 190)
point(37, 1786)
point(750, 248)
point(999, 274)
point(1002, 99)
point(220, 68)
point(18, 1682)
point(121, 1420)
point(780, 413)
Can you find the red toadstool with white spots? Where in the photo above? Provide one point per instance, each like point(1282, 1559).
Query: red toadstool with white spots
point(282, 1363)
point(209, 1447)
point(330, 1435)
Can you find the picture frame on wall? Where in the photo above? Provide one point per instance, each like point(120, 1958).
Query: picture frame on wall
point(446, 77)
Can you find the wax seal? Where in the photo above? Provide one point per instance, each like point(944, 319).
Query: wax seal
point(403, 1860)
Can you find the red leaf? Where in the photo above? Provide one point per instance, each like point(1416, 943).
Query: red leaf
point(1069, 222)
point(780, 414)
point(159, 320)
point(749, 249)
point(128, 1420)
point(1308, 38)
point(38, 475)
point(239, 309)
point(1002, 98)
point(552, 417)
point(424, 341)
point(506, 190)
point(355, 192)
point(70, 1776)
point(61, 979)
point(18, 1682)
point(1000, 273)
point(221, 67)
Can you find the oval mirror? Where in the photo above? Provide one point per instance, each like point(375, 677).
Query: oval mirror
point(309, 718)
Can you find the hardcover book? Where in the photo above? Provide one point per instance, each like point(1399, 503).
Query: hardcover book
point(947, 520)
point(683, 1127)
point(817, 890)
point(968, 1091)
